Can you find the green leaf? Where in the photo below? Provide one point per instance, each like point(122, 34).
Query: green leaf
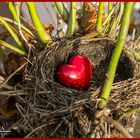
point(15, 49)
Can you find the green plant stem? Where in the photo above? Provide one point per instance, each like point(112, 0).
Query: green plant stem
point(72, 20)
point(14, 35)
point(22, 26)
point(17, 7)
point(116, 54)
point(110, 14)
point(62, 11)
point(116, 21)
point(100, 16)
point(15, 49)
point(13, 10)
point(107, 21)
point(43, 35)
point(110, 6)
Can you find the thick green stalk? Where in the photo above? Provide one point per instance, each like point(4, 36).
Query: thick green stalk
point(43, 35)
point(62, 11)
point(72, 20)
point(100, 16)
point(15, 49)
point(14, 35)
point(116, 54)
point(13, 10)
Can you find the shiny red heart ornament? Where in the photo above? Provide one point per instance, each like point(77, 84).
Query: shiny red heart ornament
point(77, 73)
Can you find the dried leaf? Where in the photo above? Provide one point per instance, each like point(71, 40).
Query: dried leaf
point(49, 28)
point(27, 36)
point(89, 18)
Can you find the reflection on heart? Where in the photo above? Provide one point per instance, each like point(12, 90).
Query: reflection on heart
point(76, 74)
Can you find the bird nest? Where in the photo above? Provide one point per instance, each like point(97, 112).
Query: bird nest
point(49, 109)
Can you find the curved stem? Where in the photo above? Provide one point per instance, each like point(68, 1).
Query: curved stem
point(43, 35)
point(107, 20)
point(14, 35)
point(116, 54)
point(62, 11)
point(100, 16)
point(72, 20)
point(22, 26)
point(15, 49)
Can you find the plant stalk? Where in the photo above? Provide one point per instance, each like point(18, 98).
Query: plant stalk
point(22, 26)
point(116, 21)
point(43, 35)
point(100, 17)
point(116, 54)
point(13, 11)
point(15, 49)
point(62, 11)
point(72, 20)
point(14, 35)
point(110, 7)
point(106, 24)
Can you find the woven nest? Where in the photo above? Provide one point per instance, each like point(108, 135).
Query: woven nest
point(51, 110)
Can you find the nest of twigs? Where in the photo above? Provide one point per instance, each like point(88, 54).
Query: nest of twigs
point(48, 109)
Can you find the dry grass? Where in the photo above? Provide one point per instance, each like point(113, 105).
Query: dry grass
point(48, 109)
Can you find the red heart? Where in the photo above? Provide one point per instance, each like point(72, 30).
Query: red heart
point(77, 73)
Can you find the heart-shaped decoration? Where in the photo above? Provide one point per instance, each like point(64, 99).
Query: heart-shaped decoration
point(76, 74)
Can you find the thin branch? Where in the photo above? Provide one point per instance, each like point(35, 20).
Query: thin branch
point(5, 82)
point(118, 126)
